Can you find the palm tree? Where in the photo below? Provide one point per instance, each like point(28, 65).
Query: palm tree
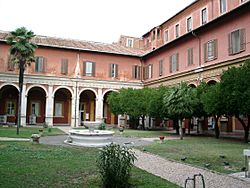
point(22, 52)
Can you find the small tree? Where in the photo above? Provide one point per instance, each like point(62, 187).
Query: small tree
point(179, 102)
point(115, 163)
point(22, 52)
point(213, 104)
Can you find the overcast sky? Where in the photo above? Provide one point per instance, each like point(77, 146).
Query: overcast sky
point(92, 20)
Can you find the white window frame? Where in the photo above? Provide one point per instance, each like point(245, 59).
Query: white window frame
point(174, 63)
point(190, 17)
point(58, 113)
point(10, 107)
point(202, 16)
point(210, 54)
point(88, 70)
point(150, 71)
point(130, 43)
point(238, 42)
point(36, 109)
point(166, 33)
point(113, 70)
point(221, 6)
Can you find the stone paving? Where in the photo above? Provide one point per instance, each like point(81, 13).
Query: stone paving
point(178, 172)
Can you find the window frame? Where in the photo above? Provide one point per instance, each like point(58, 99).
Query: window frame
point(64, 66)
point(37, 107)
point(242, 41)
point(202, 21)
point(161, 66)
point(175, 63)
point(13, 108)
point(213, 53)
point(166, 36)
point(62, 109)
point(136, 72)
point(191, 24)
point(190, 56)
point(40, 64)
point(88, 74)
point(113, 70)
point(130, 43)
point(225, 6)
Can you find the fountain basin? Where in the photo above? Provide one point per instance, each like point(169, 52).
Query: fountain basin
point(95, 138)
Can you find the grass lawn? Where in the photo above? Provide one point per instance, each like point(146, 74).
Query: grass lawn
point(142, 133)
point(26, 132)
point(24, 164)
point(203, 150)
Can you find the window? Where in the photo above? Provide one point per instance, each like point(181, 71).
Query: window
point(237, 41)
point(223, 6)
point(130, 43)
point(35, 108)
point(58, 109)
point(160, 67)
point(153, 35)
point(39, 64)
point(190, 56)
point(158, 34)
point(148, 71)
point(113, 70)
point(204, 16)
point(10, 108)
point(88, 68)
point(166, 36)
point(136, 72)
point(174, 64)
point(11, 65)
point(189, 24)
point(177, 30)
point(210, 50)
point(64, 66)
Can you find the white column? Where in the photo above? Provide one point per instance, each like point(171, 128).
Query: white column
point(75, 107)
point(23, 106)
point(99, 106)
point(49, 111)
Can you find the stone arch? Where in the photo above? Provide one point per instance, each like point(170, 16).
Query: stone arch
point(6, 84)
point(63, 87)
point(90, 89)
point(87, 104)
point(36, 104)
point(107, 91)
point(39, 86)
point(108, 116)
point(192, 85)
point(212, 81)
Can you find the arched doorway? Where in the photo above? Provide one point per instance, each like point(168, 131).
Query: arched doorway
point(36, 105)
point(87, 106)
point(211, 82)
point(192, 85)
point(109, 117)
point(8, 104)
point(62, 107)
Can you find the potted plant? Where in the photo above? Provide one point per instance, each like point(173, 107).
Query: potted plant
point(161, 139)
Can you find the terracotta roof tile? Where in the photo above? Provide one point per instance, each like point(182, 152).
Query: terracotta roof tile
point(81, 45)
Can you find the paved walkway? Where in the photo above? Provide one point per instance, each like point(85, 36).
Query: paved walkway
point(178, 172)
point(13, 139)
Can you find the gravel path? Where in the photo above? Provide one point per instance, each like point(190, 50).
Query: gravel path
point(177, 172)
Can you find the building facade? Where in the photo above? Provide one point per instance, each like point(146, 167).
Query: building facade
point(70, 80)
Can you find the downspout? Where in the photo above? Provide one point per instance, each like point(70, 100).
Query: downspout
point(77, 77)
point(199, 47)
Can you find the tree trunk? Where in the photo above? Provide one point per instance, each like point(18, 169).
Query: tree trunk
point(21, 73)
point(180, 129)
point(143, 122)
point(176, 126)
point(216, 127)
point(246, 128)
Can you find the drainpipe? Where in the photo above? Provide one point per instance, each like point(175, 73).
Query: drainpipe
point(77, 77)
point(199, 46)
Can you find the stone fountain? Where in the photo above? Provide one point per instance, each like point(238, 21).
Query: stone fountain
point(90, 137)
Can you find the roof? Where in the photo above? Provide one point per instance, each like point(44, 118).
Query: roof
point(98, 47)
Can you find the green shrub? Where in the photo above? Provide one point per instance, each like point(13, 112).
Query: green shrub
point(102, 126)
point(115, 163)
